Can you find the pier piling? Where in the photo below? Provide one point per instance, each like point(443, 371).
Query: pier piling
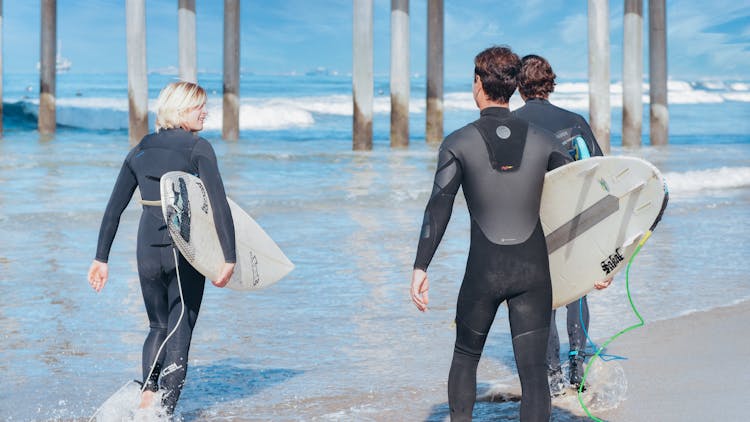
point(657, 63)
point(434, 112)
point(599, 74)
point(230, 129)
point(632, 74)
point(186, 35)
point(399, 73)
point(47, 119)
point(362, 75)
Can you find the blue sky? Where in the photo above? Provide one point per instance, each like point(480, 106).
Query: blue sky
point(706, 40)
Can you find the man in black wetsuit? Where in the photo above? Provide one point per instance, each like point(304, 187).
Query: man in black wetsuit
point(536, 81)
point(165, 283)
point(500, 161)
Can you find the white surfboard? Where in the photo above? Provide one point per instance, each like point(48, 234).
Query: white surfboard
point(594, 212)
point(187, 210)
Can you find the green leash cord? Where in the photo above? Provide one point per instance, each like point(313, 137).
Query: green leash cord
point(640, 324)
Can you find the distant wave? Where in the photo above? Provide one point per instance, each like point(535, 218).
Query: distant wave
point(287, 111)
point(697, 180)
point(574, 95)
point(112, 113)
point(14, 113)
point(85, 113)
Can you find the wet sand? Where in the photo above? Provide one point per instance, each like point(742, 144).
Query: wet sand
point(691, 368)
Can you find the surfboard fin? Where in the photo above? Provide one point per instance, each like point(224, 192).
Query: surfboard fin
point(588, 169)
point(637, 187)
point(632, 239)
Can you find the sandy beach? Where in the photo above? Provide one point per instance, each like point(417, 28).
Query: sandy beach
point(691, 368)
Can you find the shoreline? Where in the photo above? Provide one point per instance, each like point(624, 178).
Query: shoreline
point(687, 368)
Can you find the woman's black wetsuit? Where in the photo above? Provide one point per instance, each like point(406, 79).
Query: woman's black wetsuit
point(566, 125)
point(158, 153)
point(500, 161)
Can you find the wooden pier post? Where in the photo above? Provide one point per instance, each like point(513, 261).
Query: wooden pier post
point(135, 15)
point(632, 74)
point(399, 73)
point(657, 63)
point(599, 106)
point(434, 112)
point(362, 75)
point(47, 119)
point(186, 35)
point(231, 103)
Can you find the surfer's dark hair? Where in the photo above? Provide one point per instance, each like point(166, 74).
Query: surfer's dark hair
point(536, 79)
point(497, 67)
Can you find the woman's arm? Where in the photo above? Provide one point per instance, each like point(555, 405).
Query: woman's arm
point(118, 200)
point(121, 194)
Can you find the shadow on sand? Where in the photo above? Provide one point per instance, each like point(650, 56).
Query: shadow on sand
point(501, 406)
point(225, 381)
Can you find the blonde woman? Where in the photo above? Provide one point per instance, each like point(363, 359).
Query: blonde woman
point(174, 146)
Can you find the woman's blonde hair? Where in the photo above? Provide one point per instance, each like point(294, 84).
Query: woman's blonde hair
point(174, 101)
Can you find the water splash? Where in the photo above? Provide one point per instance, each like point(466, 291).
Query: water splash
point(123, 406)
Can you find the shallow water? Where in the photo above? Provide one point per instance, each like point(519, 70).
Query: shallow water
point(338, 339)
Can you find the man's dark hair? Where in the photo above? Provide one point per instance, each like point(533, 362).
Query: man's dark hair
point(497, 68)
point(536, 79)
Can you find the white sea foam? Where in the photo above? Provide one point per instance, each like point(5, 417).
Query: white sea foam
point(268, 115)
point(573, 88)
point(743, 97)
point(575, 95)
point(697, 180)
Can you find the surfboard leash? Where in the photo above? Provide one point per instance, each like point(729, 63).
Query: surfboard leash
point(630, 299)
point(621, 332)
point(603, 356)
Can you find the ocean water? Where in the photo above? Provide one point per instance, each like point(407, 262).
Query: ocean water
point(338, 339)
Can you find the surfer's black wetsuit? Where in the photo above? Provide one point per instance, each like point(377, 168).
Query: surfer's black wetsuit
point(158, 153)
point(500, 161)
point(565, 125)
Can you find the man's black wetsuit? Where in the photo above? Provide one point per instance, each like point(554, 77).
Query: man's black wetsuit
point(158, 153)
point(565, 125)
point(500, 161)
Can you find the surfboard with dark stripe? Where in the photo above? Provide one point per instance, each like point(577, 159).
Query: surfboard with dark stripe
point(594, 212)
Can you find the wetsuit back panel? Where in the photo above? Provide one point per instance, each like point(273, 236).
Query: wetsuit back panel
point(505, 140)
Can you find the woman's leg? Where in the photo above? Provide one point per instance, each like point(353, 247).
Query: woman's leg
point(154, 291)
point(175, 363)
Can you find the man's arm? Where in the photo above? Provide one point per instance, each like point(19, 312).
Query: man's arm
point(439, 207)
